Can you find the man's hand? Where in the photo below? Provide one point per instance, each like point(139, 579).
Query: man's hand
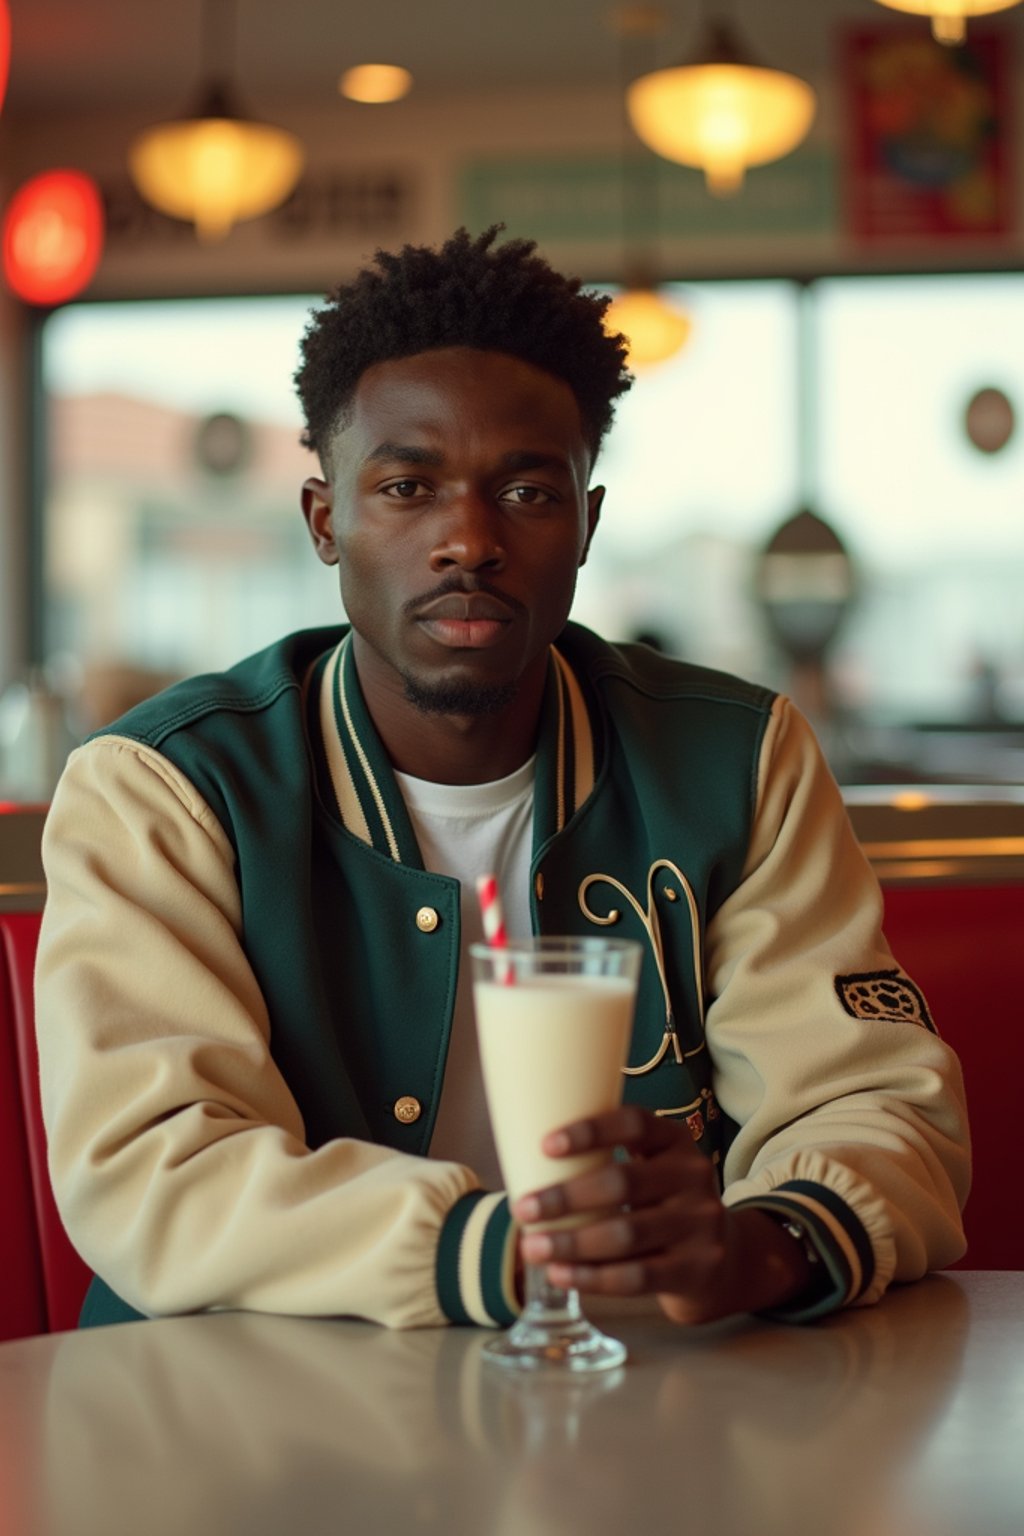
point(657, 1225)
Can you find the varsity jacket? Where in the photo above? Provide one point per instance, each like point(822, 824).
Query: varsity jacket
point(246, 980)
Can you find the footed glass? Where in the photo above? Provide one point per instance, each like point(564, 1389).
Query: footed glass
point(554, 1018)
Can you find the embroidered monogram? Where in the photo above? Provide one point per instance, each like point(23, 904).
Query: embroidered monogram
point(652, 927)
point(883, 995)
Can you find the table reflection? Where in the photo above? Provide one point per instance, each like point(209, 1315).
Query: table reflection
point(243, 1422)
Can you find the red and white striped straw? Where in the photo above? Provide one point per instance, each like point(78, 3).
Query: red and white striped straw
point(494, 923)
point(490, 911)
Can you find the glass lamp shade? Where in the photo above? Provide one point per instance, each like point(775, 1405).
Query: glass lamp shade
point(375, 83)
point(949, 17)
point(655, 329)
point(216, 168)
point(721, 118)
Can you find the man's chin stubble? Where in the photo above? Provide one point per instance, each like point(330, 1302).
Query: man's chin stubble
point(458, 698)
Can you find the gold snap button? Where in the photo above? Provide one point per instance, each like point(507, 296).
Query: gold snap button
point(427, 919)
point(538, 885)
point(407, 1109)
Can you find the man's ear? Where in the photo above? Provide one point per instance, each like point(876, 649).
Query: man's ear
point(595, 498)
point(317, 507)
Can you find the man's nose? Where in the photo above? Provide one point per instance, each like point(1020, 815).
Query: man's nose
point(470, 536)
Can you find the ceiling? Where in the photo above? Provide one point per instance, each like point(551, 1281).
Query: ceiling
point(102, 55)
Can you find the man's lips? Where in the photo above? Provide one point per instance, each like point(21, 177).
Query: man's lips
point(466, 620)
point(468, 606)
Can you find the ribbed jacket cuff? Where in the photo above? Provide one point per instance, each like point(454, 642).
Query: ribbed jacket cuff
point(476, 1262)
point(838, 1237)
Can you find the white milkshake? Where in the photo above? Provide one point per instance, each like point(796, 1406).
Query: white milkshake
point(552, 1049)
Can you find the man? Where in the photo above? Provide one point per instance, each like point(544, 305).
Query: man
point(258, 1062)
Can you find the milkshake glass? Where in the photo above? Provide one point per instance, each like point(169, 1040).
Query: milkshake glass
point(554, 1018)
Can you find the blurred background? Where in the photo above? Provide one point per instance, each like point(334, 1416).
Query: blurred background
point(820, 484)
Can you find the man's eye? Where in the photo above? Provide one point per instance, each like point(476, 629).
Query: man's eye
point(405, 489)
point(527, 495)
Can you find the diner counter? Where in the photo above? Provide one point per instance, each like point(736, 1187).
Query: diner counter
point(907, 1417)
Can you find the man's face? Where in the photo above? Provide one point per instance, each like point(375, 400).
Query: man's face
point(458, 513)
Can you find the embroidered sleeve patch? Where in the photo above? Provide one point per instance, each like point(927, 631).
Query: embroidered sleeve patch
point(883, 995)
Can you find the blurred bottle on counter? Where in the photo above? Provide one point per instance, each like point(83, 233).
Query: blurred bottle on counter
point(35, 739)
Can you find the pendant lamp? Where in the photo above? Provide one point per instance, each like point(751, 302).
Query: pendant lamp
point(215, 166)
point(654, 328)
point(721, 112)
point(949, 17)
point(375, 84)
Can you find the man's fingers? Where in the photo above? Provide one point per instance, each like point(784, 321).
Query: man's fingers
point(636, 1183)
point(650, 1223)
point(625, 1235)
point(684, 1268)
point(628, 1126)
point(663, 1162)
point(653, 1274)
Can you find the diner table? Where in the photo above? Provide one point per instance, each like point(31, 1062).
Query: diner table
point(906, 1417)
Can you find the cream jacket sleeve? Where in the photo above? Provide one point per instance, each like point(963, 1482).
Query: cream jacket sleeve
point(845, 1103)
point(177, 1152)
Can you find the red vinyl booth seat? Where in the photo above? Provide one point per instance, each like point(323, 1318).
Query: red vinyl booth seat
point(963, 946)
point(43, 1284)
point(22, 1296)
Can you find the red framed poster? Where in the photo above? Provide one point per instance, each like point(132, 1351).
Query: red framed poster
point(929, 135)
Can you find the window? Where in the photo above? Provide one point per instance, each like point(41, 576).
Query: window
point(936, 525)
point(173, 535)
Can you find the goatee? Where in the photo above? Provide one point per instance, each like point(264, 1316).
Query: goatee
point(458, 698)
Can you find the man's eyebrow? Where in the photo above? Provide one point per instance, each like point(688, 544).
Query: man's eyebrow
point(398, 453)
point(530, 459)
point(515, 462)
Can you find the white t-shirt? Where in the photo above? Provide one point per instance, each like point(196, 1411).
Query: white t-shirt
point(466, 830)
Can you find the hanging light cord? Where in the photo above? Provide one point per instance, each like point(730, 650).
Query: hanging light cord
point(639, 197)
point(219, 38)
point(625, 151)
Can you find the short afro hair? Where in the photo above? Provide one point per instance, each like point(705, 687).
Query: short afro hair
point(469, 293)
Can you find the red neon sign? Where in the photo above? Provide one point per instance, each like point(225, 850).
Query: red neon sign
point(5, 47)
point(52, 237)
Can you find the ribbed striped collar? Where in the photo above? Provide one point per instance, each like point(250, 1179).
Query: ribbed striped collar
point(358, 783)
